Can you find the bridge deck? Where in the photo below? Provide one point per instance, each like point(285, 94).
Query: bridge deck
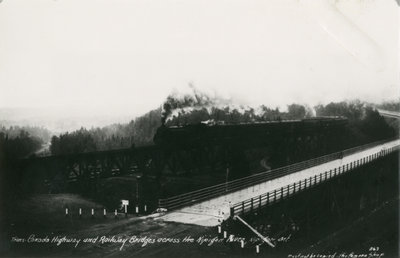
point(212, 212)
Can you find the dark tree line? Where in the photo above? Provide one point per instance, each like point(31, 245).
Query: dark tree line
point(137, 132)
point(365, 122)
point(18, 146)
point(34, 131)
point(390, 105)
point(21, 141)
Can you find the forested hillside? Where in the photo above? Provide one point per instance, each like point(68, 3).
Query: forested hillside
point(137, 132)
point(365, 124)
point(18, 142)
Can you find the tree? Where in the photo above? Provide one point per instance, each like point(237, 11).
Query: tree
point(296, 111)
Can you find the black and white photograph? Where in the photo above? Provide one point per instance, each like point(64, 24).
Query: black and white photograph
point(199, 128)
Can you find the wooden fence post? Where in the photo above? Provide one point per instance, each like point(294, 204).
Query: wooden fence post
point(288, 190)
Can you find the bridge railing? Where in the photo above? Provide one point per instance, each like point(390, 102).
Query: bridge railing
point(214, 191)
point(272, 197)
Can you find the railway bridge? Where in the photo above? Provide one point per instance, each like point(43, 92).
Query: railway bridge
point(213, 205)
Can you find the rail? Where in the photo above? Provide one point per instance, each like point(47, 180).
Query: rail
point(238, 184)
point(272, 197)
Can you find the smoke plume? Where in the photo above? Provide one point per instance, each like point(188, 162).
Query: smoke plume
point(197, 106)
point(177, 103)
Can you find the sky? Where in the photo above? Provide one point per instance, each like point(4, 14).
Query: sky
point(121, 58)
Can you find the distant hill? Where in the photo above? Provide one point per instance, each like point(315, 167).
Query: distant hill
point(57, 120)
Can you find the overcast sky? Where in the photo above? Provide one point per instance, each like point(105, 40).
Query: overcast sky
point(123, 57)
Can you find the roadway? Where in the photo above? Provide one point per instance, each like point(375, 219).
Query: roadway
point(213, 211)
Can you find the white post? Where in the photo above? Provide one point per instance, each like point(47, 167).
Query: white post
point(137, 209)
point(115, 213)
point(257, 248)
point(66, 211)
point(145, 208)
point(242, 244)
point(80, 212)
point(104, 212)
point(92, 213)
point(231, 238)
point(224, 234)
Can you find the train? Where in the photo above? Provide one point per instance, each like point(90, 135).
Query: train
point(242, 134)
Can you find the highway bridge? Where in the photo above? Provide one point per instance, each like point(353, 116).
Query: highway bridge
point(211, 206)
